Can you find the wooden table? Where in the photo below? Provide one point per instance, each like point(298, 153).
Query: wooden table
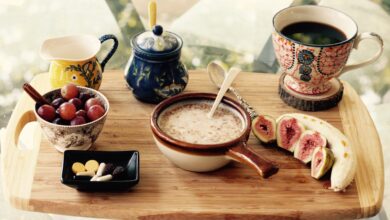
point(32, 177)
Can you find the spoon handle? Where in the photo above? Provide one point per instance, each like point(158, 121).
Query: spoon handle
point(244, 103)
point(152, 10)
point(34, 94)
point(224, 87)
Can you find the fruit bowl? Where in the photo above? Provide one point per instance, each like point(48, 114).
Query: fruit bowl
point(69, 136)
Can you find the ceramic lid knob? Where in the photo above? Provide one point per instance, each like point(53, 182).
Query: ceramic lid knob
point(158, 30)
point(157, 40)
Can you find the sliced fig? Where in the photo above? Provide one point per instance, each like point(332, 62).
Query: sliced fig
point(322, 161)
point(288, 131)
point(307, 142)
point(264, 128)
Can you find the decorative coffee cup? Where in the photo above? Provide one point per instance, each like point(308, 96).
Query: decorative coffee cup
point(309, 67)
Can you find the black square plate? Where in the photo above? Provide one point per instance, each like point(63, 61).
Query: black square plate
point(127, 159)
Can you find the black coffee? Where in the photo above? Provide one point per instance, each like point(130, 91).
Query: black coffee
point(313, 33)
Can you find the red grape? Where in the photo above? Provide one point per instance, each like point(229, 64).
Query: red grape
point(78, 120)
point(95, 112)
point(81, 113)
point(57, 102)
point(67, 111)
point(69, 91)
point(47, 112)
point(76, 102)
point(91, 102)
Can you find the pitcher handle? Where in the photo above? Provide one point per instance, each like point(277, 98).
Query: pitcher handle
point(244, 154)
point(112, 51)
point(366, 35)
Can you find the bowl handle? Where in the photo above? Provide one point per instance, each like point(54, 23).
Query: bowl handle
point(246, 155)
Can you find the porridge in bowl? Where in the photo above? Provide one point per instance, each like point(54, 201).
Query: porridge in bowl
point(188, 138)
point(188, 122)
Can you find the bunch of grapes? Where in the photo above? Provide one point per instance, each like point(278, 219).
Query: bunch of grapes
point(72, 108)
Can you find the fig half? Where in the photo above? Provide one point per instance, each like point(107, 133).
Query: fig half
point(305, 145)
point(264, 128)
point(288, 131)
point(322, 161)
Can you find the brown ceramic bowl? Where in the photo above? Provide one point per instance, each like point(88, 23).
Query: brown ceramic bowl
point(208, 157)
point(73, 137)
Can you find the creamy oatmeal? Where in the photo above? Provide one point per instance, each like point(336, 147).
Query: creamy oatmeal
point(188, 122)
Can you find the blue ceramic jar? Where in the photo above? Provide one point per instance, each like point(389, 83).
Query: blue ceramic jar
point(154, 71)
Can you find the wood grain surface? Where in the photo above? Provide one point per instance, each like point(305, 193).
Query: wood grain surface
point(32, 177)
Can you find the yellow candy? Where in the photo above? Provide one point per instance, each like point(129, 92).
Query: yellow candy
point(78, 167)
point(92, 165)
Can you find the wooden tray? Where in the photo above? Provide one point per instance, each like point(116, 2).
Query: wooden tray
point(32, 177)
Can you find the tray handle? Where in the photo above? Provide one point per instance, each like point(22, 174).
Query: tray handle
point(17, 164)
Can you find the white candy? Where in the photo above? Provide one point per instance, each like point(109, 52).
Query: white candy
point(104, 178)
point(94, 178)
point(100, 169)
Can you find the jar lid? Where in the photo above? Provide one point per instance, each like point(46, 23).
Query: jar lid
point(157, 42)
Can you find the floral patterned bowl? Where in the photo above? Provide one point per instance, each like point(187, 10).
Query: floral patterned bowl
point(73, 137)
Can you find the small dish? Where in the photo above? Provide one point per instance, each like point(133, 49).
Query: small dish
point(127, 159)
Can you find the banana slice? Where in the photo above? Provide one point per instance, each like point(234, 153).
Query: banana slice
point(344, 167)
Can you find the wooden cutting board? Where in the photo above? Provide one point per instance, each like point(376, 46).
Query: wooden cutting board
point(32, 177)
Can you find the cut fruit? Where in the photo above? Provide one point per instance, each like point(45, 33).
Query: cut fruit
point(288, 132)
point(307, 142)
point(345, 162)
point(323, 160)
point(264, 128)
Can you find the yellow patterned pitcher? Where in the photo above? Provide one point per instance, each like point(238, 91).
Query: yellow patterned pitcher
point(73, 59)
